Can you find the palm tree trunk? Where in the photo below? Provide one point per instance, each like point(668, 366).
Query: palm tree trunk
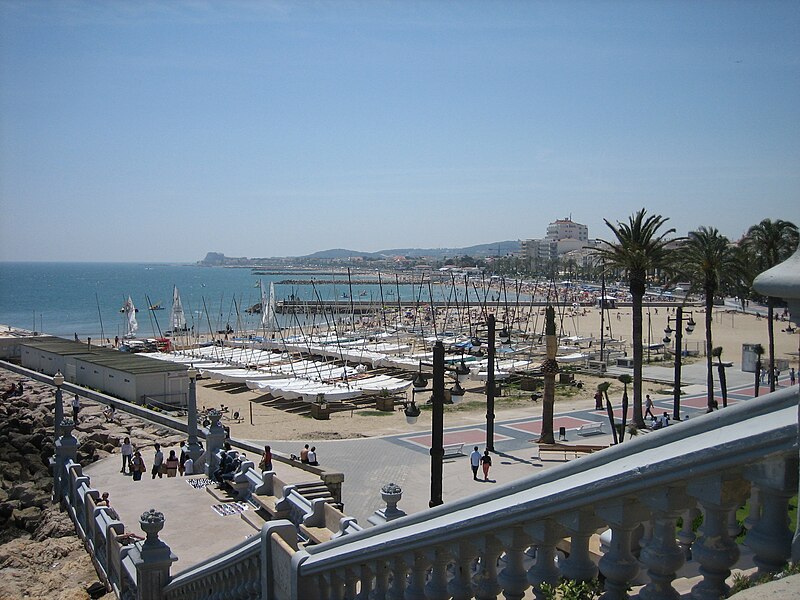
point(757, 386)
point(771, 333)
point(637, 293)
point(709, 346)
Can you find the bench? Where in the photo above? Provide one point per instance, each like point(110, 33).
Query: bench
point(591, 428)
point(575, 449)
point(453, 449)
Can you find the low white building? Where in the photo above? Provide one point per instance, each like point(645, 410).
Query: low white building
point(123, 375)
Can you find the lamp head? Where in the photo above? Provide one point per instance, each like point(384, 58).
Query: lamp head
point(690, 325)
point(505, 335)
point(412, 413)
point(456, 393)
point(462, 372)
point(668, 330)
point(58, 379)
point(420, 382)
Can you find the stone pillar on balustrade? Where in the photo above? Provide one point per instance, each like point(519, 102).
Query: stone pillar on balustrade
point(391, 494)
point(66, 450)
point(152, 558)
point(783, 281)
point(215, 438)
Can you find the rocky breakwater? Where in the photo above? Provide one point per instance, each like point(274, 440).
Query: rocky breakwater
point(40, 554)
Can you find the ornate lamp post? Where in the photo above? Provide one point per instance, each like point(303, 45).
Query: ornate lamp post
point(491, 390)
point(437, 401)
point(690, 324)
point(58, 381)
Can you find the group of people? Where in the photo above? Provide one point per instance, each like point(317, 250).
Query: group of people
point(13, 390)
point(133, 462)
point(308, 456)
point(229, 462)
point(477, 460)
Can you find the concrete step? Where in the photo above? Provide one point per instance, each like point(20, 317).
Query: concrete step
point(255, 517)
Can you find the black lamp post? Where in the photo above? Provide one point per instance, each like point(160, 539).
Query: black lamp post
point(491, 353)
point(437, 401)
point(193, 447)
point(690, 324)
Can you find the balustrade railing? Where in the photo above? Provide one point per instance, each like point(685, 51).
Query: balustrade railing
point(514, 537)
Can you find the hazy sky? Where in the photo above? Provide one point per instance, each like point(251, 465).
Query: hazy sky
point(158, 131)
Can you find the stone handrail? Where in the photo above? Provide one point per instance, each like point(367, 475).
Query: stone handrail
point(97, 526)
point(709, 462)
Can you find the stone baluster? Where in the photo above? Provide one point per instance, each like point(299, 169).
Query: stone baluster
point(351, 577)
point(460, 586)
point(485, 581)
point(714, 550)
point(323, 584)
point(686, 534)
point(662, 555)
point(365, 578)
point(335, 585)
point(770, 538)
point(580, 525)
point(546, 534)
point(436, 588)
point(381, 570)
point(399, 579)
point(619, 565)
point(416, 584)
point(513, 577)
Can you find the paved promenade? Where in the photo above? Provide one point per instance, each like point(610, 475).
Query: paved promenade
point(194, 531)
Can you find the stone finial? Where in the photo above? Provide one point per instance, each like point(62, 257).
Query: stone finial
point(783, 281)
point(151, 522)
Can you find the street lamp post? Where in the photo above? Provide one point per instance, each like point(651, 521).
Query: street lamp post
point(491, 390)
point(676, 389)
point(437, 401)
point(58, 381)
point(194, 448)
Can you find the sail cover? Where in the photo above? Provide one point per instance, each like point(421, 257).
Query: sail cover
point(130, 313)
point(268, 307)
point(177, 321)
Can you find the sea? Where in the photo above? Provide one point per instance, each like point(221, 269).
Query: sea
point(64, 299)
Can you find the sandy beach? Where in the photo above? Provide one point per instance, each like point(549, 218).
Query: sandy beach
point(730, 330)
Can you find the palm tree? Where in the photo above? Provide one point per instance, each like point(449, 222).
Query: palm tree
point(550, 369)
point(639, 249)
point(771, 242)
point(708, 261)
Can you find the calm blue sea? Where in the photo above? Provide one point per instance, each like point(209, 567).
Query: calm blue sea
point(85, 298)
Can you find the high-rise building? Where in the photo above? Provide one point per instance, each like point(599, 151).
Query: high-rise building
point(567, 229)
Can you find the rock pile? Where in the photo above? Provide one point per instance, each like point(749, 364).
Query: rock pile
point(40, 554)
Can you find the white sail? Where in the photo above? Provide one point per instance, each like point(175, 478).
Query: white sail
point(130, 312)
point(177, 320)
point(268, 307)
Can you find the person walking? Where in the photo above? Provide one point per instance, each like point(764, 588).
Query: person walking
point(792, 376)
point(158, 459)
point(486, 462)
point(183, 454)
point(127, 455)
point(76, 408)
point(172, 464)
point(648, 406)
point(598, 400)
point(475, 462)
point(266, 460)
point(137, 466)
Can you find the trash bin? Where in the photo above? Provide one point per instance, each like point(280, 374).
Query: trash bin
point(562, 434)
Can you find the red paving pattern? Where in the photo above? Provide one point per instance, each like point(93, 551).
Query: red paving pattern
point(464, 436)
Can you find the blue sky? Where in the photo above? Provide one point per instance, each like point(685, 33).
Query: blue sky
point(158, 131)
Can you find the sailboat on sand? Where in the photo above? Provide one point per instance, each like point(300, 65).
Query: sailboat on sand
point(131, 326)
point(177, 318)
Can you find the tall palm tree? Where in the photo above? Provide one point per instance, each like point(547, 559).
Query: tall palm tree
point(707, 259)
point(771, 242)
point(639, 250)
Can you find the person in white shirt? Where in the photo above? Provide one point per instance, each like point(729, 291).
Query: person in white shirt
point(188, 466)
point(76, 407)
point(475, 462)
point(312, 456)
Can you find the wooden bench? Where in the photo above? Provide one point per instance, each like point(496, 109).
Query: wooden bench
point(575, 449)
point(591, 428)
point(453, 449)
